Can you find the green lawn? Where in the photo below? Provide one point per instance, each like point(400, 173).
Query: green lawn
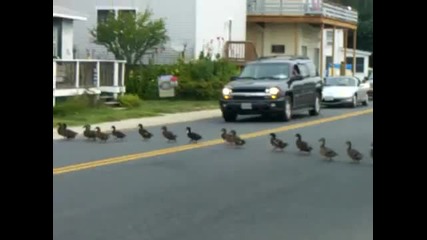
point(147, 109)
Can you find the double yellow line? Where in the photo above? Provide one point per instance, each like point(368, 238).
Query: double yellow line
point(155, 153)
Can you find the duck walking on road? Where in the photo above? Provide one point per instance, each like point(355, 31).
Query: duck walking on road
point(145, 134)
point(170, 136)
point(88, 133)
point(325, 151)
point(302, 145)
point(277, 143)
point(353, 153)
point(117, 134)
point(194, 137)
point(101, 135)
point(236, 139)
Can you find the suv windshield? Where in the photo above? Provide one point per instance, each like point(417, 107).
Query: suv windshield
point(266, 71)
point(340, 81)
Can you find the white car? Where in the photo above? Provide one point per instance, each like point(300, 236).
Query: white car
point(345, 90)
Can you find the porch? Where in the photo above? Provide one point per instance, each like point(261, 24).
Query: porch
point(94, 77)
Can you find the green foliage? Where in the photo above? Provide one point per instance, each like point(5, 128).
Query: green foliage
point(75, 105)
point(129, 36)
point(200, 79)
point(129, 101)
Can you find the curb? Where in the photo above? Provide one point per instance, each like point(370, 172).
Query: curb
point(148, 121)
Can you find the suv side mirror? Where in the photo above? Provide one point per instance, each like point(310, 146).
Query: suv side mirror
point(232, 78)
point(296, 78)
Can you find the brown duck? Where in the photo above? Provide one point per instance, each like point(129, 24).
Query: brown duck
point(236, 139)
point(67, 133)
point(277, 143)
point(101, 135)
point(60, 129)
point(353, 153)
point(193, 136)
point(325, 151)
point(228, 138)
point(88, 133)
point(170, 136)
point(302, 145)
point(117, 134)
point(145, 134)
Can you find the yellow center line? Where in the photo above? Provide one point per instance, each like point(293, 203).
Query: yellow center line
point(137, 156)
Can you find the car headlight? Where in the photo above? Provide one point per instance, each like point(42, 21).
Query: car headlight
point(226, 92)
point(273, 91)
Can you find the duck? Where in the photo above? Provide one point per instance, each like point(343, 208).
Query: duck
point(145, 134)
point(353, 153)
point(228, 138)
point(236, 139)
point(194, 137)
point(302, 145)
point(117, 134)
point(277, 143)
point(60, 129)
point(67, 133)
point(101, 135)
point(325, 151)
point(170, 136)
point(89, 134)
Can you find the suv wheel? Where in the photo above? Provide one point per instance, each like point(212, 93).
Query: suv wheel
point(316, 108)
point(286, 115)
point(353, 103)
point(229, 117)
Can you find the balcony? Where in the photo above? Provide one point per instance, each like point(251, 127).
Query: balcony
point(94, 77)
point(321, 10)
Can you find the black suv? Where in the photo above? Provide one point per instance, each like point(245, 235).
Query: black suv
point(277, 85)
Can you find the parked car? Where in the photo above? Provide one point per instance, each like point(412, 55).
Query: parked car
point(273, 86)
point(371, 86)
point(345, 90)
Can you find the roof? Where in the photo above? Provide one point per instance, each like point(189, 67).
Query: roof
point(281, 58)
point(358, 52)
point(62, 12)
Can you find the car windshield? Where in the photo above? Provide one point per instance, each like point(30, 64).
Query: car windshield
point(340, 81)
point(265, 71)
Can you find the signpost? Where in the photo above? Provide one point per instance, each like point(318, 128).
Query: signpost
point(167, 85)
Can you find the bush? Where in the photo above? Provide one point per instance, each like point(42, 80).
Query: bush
point(74, 105)
point(200, 79)
point(129, 101)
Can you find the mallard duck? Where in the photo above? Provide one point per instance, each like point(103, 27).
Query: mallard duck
point(228, 138)
point(353, 153)
point(277, 143)
point(325, 151)
point(145, 134)
point(60, 129)
point(67, 133)
point(117, 134)
point(170, 136)
point(236, 139)
point(302, 145)
point(194, 137)
point(89, 134)
point(101, 135)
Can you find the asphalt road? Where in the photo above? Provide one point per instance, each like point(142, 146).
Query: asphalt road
point(219, 193)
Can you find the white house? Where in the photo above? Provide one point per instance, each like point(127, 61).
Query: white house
point(362, 57)
point(192, 25)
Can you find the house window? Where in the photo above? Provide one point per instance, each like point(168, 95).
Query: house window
point(275, 48)
point(329, 37)
point(360, 63)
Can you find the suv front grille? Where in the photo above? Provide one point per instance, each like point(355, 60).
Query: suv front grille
point(248, 90)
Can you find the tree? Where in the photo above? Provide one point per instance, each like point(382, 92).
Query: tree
point(130, 36)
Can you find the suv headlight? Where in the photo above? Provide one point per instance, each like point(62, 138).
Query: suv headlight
point(226, 92)
point(273, 91)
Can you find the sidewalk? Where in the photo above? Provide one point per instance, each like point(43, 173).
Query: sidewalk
point(148, 121)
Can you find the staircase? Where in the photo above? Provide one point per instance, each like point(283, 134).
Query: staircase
point(108, 100)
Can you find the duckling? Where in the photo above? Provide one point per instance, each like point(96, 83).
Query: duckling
point(277, 143)
point(89, 134)
point(170, 136)
point(302, 145)
point(353, 153)
point(101, 135)
point(145, 134)
point(67, 133)
point(228, 138)
point(117, 134)
point(325, 151)
point(236, 139)
point(194, 137)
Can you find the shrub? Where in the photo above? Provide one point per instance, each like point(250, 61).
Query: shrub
point(73, 105)
point(130, 100)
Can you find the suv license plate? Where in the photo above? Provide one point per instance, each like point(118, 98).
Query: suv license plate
point(246, 106)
